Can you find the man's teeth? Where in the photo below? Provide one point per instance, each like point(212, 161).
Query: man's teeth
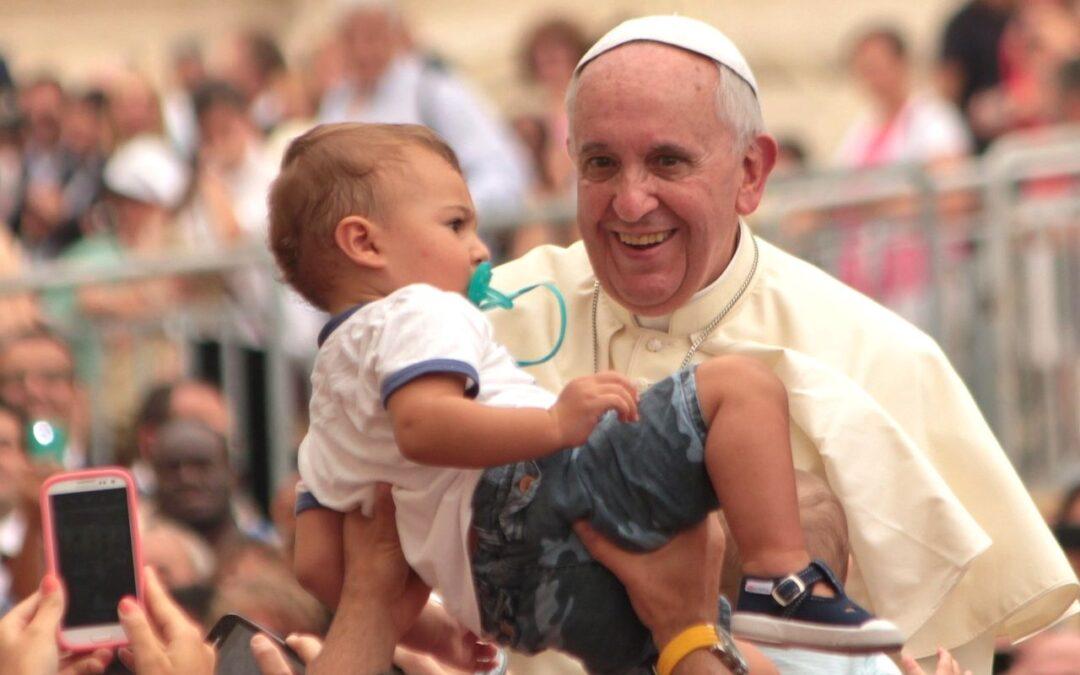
point(643, 239)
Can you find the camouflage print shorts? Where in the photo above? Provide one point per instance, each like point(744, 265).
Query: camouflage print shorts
point(537, 586)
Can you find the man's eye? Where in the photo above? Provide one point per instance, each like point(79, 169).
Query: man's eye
point(598, 168)
point(669, 161)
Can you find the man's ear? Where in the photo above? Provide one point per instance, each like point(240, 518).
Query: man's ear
point(357, 237)
point(757, 164)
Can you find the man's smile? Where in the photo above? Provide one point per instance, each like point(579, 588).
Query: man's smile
point(643, 241)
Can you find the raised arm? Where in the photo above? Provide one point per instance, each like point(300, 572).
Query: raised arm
point(436, 423)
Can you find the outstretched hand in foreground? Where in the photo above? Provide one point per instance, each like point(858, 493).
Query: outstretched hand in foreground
point(28, 638)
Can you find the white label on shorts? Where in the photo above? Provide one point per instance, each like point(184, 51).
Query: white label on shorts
point(758, 586)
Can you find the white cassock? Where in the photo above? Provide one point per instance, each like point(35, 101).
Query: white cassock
point(947, 542)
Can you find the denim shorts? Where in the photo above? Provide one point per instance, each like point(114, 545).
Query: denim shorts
point(639, 483)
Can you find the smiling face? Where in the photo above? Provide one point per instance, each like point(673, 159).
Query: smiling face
point(661, 182)
point(427, 224)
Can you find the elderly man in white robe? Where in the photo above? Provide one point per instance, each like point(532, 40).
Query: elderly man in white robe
point(667, 136)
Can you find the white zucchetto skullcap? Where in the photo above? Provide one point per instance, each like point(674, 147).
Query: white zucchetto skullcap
point(677, 31)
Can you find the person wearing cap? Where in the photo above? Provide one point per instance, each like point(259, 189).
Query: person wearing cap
point(667, 136)
point(144, 184)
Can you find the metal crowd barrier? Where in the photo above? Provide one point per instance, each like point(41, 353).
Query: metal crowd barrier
point(235, 325)
point(984, 255)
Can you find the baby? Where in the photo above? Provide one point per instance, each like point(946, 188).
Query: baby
point(374, 224)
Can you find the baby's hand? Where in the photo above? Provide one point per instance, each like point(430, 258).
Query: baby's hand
point(585, 399)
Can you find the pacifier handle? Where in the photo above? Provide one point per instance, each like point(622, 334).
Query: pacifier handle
point(481, 294)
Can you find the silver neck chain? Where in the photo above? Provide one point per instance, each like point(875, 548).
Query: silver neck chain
point(702, 336)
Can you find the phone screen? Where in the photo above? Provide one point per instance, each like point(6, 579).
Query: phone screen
point(93, 553)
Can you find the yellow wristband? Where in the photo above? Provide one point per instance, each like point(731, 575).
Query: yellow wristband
point(695, 637)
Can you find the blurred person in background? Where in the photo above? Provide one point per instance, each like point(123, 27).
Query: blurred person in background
point(903, 125)
point(21, 475)
point(270, 596)
point(228, 210)
point(195, 487)
point(134, 108)
point(324, 68)
point(179, 556)
point(116, 326)
point(177, 107)
point(1040, 36)
point(17, 311)
point(233, 174)
point(10, 149)
point(548, 56)
point(37, 376)
point(84, 135)
point(389, 80)
point(186, 399)
point(15, 500)
point(969, 58)
point(177, 399)
point(56, 189)
point(256, 67)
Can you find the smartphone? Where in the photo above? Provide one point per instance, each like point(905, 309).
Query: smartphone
point(92, 546)
point(46, 441)
point(231, 637)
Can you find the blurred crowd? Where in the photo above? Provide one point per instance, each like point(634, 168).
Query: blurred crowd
point(112, 171)
point(112, 167)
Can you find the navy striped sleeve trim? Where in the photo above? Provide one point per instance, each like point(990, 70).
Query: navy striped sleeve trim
point(305, 501)
point(449, 366)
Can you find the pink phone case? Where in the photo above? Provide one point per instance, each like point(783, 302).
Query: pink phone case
point(50, 540)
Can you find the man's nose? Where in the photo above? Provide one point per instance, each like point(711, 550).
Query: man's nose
point(634, 197)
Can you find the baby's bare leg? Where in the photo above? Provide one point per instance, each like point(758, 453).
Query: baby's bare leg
point(748, 456)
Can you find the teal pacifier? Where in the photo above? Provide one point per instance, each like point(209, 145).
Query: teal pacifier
point(481, 294)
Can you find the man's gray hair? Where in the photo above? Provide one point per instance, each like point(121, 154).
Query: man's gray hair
point(736, 105)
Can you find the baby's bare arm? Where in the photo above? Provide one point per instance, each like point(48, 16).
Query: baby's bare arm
point(436, 423)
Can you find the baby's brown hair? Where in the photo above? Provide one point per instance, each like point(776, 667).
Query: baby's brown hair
point(327, 174)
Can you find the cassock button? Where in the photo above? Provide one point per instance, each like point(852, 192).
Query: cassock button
point(654, 345)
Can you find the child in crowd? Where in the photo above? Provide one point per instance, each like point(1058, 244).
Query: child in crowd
point(374, 224)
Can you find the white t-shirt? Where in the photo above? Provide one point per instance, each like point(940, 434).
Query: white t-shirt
point(925, 129)
point(382, 346)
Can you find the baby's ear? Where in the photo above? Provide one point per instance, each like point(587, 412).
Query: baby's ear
point(356, 237)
